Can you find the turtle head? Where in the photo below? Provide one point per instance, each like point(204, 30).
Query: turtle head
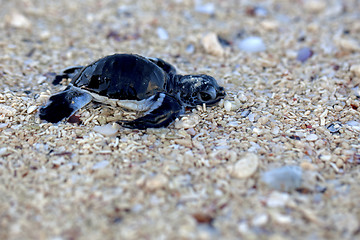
point(199, 89)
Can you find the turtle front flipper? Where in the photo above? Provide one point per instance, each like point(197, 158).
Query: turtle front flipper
point(64, 104)
point(164, 111)
point(69, 72)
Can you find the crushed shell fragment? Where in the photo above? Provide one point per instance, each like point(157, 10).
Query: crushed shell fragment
point(246, 166)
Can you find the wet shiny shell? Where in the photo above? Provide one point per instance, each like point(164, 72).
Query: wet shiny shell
point(122, 76)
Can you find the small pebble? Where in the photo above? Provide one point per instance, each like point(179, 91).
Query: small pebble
point(3, 151)
point(275, 130)
point(355, 69)
point(208, 8)
point(334, 127)
point(31, 109)
point(245, 113)
point(17, 20)
point(260, 220)
point(268, 62)
point(242, 97)
point(243, 228)
point(211, 45)
point(45, 35)
point(251, 117)
point(187, 122)
point(312, 137)
point(3, 125)
point(246, 166)
point(339, 163)
point(304, 54)
point(252, 44)
point(338, 108)
point(203, 217)
point(348, 44)
point(281, 218)
point(270, 25)
point(190, 48)
point(107, 130)
point(233, 124)
point(41, 79)
point(291, 54)
point(285, 178)
point(184, 142)
point(231, 105)
point(191, 131)
point(260, 11)
point(277, 199)
point(43, 98)
point(74, 119)
point(162, 33)
point(325, 157)
point(315, 6)
point(227, 106)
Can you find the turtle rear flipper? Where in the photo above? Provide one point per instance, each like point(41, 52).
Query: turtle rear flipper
point(69, 72)
point(64, 104)
point(163, 112)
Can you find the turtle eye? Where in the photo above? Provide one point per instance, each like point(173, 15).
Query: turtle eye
point(208, 95)
point(205, 96)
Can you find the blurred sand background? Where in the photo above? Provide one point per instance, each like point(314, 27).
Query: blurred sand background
point(293, 100)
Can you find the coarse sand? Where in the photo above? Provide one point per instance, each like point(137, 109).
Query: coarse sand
point(291, 70)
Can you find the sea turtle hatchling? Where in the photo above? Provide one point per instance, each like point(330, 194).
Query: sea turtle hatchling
point(133, 82)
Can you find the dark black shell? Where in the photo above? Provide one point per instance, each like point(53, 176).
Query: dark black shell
point(123, 76)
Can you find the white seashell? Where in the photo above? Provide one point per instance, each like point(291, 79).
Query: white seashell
point(31, 109)
point(106, 130)
point(312, 137)
point(252, 44)
point(162, 33)
point(212, 45)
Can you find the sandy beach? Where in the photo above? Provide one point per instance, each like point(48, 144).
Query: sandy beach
point(278, 158)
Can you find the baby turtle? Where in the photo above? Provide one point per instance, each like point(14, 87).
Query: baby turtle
point(133, 82)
